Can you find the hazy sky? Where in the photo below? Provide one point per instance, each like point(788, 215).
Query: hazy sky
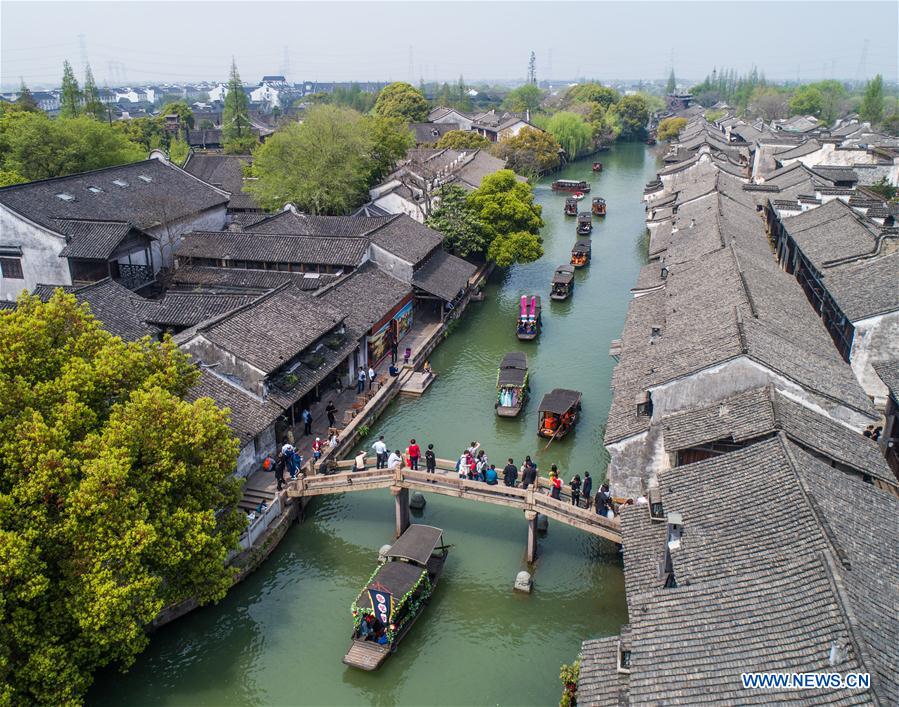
point(137, 42)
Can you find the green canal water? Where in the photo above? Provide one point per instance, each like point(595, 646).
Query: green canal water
point(278, 637)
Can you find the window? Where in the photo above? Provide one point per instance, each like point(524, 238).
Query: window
point(120, 183)
point(94, 190)
point(145, 178)
point(65, 196)
point(11, 268)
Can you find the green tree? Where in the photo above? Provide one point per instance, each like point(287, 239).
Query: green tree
point(70, 96)
point(404, 101)
point(463, 101)
point(592, 93)
point(181, 109)
point(872, 101)
point(633, 112)
point(671, 86)
point(93, 106)
point(524, 98)
point(26, 100)
point(146, 132)
point(530, 153)
point(571, 131)
point(206, 124)
point(456, 218)
point(884, 188)
point(807, 100)
point(511, 219)
point(117, 497)
point(8, 177)
point(178, 150)
point(323, 164)
point(670, 128)
point(833, 94)
point(236, 110)
point(240, 145)
point(388, 141)
point(463, 140)
point(36, 147)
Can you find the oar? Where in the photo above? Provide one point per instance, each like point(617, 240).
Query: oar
point(558, 429)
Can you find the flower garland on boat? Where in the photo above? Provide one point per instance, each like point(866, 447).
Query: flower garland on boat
point(360, 612)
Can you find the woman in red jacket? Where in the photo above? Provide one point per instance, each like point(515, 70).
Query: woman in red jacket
point(414, 454)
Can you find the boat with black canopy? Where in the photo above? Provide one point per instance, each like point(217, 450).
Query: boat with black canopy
point(512, 386)
point(580, 253)
point(584, 223)
point(571, 206)
point(563, 283)
point(396, 595)
point(599, 206)
point(559, 412)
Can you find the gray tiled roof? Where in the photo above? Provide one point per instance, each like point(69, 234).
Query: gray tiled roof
point(831, 232)
point(274, 328)
point(170, 194)
point(225, 172)
point(184, 309)
point(297, 224)
point(272, 248)
point(92, 239)
point(407, 239)
point(865, 288)
point(367, 295)
point(806, 148)
point(223, 279)
point(599, 684)
point(888, 371)
point(443, 275)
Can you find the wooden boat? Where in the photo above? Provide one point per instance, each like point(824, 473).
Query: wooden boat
point(599, 206)
point(563, 283)
point(529, 320)
point(571, 206)
point(580, 254)
point(597, 166)
point(559, 413)
point(650, 140)
point(512, 385)
point(572, 185)
point(395, 596)
point(584, 223)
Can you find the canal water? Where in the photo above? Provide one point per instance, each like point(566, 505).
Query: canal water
point(278, 637)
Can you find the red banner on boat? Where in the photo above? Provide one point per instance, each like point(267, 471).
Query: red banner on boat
point(382, 604)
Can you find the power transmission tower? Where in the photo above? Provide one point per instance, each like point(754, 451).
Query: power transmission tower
point(532, 68)
point(862, 70)
point(82, 44)
point(285, 62)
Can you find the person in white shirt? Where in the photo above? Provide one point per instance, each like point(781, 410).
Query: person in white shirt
point(380, 450)
point(359, 464)
point(395, 460)
point(371, 376)
point(287, 449)
point(463, 464)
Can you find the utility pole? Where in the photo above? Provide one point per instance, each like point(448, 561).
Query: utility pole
point(285, 63)
point(862, 70)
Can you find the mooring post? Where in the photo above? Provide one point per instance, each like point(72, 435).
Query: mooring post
point(401, 496)
point(531, 517)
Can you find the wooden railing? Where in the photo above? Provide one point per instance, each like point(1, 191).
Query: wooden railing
point(446, 482)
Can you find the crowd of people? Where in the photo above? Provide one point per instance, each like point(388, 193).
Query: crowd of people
point(474, 464)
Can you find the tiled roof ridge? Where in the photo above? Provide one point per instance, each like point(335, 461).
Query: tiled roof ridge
point(256, 235)
point(203, 326)
point(885, 234)
point(11, 187)
point(743, 283)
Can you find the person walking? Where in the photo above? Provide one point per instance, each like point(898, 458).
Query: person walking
point(360, 382)
point(555, 483)
point(331, 411)
point(587, 489)
point(371, 377)
point(280, 464)
point(430, 460)
point(510, 473)
point(317, 449)
point(575, 489)
point(380, 450)
point(414, 454)
point(307, 422)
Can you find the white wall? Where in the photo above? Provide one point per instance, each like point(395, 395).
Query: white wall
point(876, 340)
point(41, 263)
point(393, 203)
point(213, 219)
point(391, 264)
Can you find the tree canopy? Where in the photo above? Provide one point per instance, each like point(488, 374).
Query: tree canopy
point(592, 93)
point(36, 147)
point(404, 101)
point(326, 163)
point(530, 153)
point(181, 109)
point(117, 497)
point(807, 100)
point(236, 110)
point(26, 101)
point(93, 106)
point(571, 131)
point(633, 113)
point(872, 102)
point(457, 219)
point(70, 96)
point(524, 98)
point(462, 140)
point(670, 128)
point(511, 219)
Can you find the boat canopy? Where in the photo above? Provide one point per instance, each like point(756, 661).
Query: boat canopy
point(570, 201)
point(559, 401)
point(570, 182)
point(598, 200)
point(513, 371)
point(563, 275)
point(581, 246)
point(397, 578)
point(416, 544)
point(585, 217)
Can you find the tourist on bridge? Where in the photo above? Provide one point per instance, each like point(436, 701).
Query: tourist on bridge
point(395, 460)
point(280, 464)
point(528, 473)
point(462, 465)
point(360, 383)
point(307, 421)
point(555, 483)
point(575, 485)
point(587, 489)
point(359, 461)
point(331, 411)
point(371, 377)
point(317, 449)
point(481, 465)
point(430, 460)
point(490, 475)
point(414, 453)
point(510, 473)
point(380, 450)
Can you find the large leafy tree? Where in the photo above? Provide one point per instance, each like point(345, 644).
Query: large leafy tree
point(181, 109)
point(323, 164)
point(456, 218)
point(807, 100)
point(872, 101)
point(116, 497)
point(388, 140)
point(670, 128)
point(70, 96)
point(404, 101)
point(36, 147)
point(524, 98)
point(592, 93)
point(462, 140)
point(93, 106)
point(511, 219)
point(571, 131)
point(530, 153)
point(26, 101)
point(236, 110)
point(633, 113)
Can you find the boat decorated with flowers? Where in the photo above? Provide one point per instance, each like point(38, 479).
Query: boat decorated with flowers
point(395, 595)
